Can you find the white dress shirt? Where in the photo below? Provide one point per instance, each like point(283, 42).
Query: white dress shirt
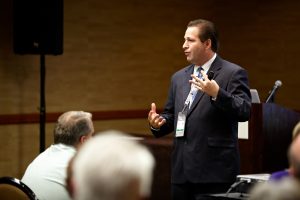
point(46, 174)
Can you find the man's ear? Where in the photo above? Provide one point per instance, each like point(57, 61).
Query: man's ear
point(208, 43)
point(83, 139)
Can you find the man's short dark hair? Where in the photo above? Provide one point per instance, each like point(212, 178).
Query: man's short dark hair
point(207, 31)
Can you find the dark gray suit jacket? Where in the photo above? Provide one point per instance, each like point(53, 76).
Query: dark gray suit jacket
point(208, 152)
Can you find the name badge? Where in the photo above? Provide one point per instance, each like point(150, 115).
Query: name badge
point(180, 124)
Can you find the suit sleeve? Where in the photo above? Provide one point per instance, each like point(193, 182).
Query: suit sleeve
point(235, 99)
point(168, 114)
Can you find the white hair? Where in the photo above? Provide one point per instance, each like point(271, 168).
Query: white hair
point(108, 165)
point(285, 189)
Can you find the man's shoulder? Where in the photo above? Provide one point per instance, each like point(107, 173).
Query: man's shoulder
point(183, 71)
point(227, 65)
point(54, 154)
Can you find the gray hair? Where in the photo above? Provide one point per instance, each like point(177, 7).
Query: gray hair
point(71, 126)
point(286, 189)
point(296, 130)
point(113, 166)
point(294, 156)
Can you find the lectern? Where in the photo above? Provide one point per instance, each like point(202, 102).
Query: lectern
point(270, 134)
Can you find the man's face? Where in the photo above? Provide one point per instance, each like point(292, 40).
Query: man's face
point(194, 49)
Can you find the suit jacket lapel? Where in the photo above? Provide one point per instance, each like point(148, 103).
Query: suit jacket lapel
point(216, 66)
point(198, 96)
point(186, 86)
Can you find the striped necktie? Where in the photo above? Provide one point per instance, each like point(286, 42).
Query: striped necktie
point(194, 90)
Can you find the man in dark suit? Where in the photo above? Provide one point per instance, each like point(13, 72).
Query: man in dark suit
point(203, 109)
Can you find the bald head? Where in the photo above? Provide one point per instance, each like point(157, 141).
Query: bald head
point(71, 126)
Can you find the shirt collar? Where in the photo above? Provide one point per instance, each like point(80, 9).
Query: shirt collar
point(206, 65)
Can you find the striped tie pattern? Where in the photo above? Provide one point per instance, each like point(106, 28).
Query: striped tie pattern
point(194, 90)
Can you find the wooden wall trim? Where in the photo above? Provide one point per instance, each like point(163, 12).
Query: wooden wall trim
point(33, 118)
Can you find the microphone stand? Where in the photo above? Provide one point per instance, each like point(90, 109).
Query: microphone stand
point(42, 102)
point(271, 97)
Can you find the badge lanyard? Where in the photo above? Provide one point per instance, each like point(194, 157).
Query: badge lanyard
point(187, 104)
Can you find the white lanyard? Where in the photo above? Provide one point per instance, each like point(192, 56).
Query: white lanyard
point(190, 98)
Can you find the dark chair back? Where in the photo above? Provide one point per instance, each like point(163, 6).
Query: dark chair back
point(13, 188)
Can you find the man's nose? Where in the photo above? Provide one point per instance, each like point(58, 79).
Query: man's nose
point(184, 46)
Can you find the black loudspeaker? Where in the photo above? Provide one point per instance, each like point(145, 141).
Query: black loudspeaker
point(38, 26)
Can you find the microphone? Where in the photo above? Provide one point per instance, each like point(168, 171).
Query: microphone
point(270, 98)
point(211, 75)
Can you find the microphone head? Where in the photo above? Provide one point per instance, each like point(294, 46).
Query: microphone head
point(278, 83)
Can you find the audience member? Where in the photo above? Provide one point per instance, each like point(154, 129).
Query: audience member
point(46, 174)
point(294, 158)
point(294, 154)
point(286, 189)
point(69, 178)
point(296, 130)
point(113, 166)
